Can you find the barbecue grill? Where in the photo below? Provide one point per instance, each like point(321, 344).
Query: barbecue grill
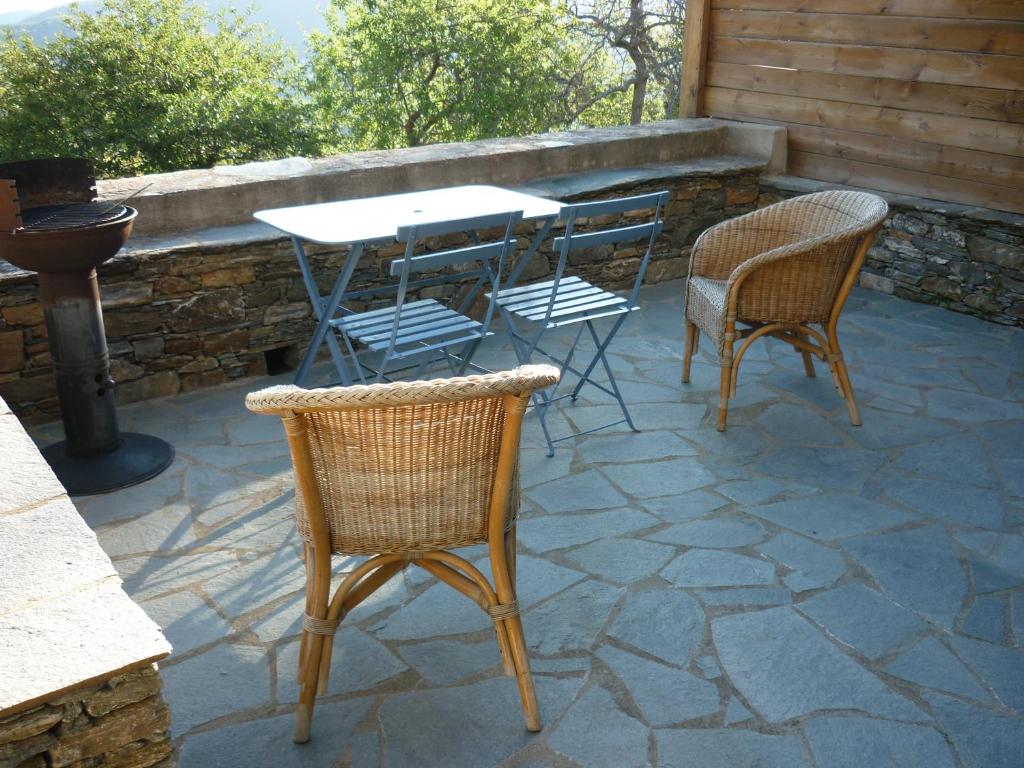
point(50, 223)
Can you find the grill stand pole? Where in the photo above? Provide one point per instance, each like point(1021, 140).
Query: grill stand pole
point(94, 457)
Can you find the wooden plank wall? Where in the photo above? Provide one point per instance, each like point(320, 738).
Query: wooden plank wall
point(921, 97)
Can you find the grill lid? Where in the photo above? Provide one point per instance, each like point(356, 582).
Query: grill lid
point(70, 216)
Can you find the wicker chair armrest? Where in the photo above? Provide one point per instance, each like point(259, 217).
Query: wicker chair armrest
point(281, 400)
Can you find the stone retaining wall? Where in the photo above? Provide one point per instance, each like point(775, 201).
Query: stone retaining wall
point(121, 723)
point(966, 259)
point(197, 313)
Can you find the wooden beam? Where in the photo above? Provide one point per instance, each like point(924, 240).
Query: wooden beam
point(952, 68)
point(967, 101)
point(1007, 10)
point(873, 176)
point(695, 57)
point(965, 132)
point(970, 35)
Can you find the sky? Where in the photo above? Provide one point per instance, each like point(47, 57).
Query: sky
point(29, 5)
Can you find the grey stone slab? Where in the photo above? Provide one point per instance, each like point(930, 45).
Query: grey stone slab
point(982, 738)
point(968, 408)
point(881, 429)
point(543, 533)
point(646, 416)
point(665, 695)
point(711, 568)
point(708, 666)
point(728, 748)
point(999, 561)
point(622, 561)
point(536, 467)
point(164, 529)
point(569, 665)
point(949, 501)
point(662, 478)
point(235, 456)
point(814, 566)
point(721, 532)
point(647, 446)
point(837, 469)
point(665, 623)
point(1002, 668)
point(934, 458)
point(1003, 437)
point(268, 741)
point(186, 620)
point(597, 734)
point(984, 620)
point(586, 490)
point(862, 619)
point(251, 429)
point(358, 663)
point(446, 662)
point(472, 725)
point(916, 568)
point(793, 683)
point(207, 486)
point(132, 502)
point(1011, 471)
point(740, 443)
point(227, 678)
point(796, 425)
point(751, 491)
point(688, 506)
point(265, 528)
point(852, 742)
point(1017, 612)
point(735, 712)
point(366, 750)
point(440, 610)
point(930, 664)
point(256, 583)
point(571, 621)
point(146, 577)
point(745, 597)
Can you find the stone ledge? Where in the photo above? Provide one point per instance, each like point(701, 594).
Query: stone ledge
point(65, 622)
point(186, 201)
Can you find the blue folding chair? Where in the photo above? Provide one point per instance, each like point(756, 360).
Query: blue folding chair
point(412, 329)
point(531, 310)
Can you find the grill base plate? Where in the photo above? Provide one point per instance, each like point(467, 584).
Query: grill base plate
point(138, 458)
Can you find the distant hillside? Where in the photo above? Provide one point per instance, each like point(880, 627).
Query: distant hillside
point(289, 20)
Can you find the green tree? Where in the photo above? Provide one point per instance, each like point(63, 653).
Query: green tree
point(394, 73)
point(148, 86)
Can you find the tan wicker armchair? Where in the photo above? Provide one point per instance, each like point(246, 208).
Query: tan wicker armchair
point(404, 472)
point(778, 271)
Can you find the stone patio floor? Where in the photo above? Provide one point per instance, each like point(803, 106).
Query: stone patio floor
point(794, 592)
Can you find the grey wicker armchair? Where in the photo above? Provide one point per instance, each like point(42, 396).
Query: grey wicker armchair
point(404, 472)
point(778, 271)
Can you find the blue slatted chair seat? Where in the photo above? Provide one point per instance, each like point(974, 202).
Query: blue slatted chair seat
point(575, 300)
point(419, 322)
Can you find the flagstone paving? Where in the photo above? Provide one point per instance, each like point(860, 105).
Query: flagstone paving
point(793, 592)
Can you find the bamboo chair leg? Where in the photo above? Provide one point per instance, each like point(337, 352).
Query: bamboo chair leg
point(513, 629)
point(309, 674)
point(692, 333)
point(808, 363)
point(843, 376)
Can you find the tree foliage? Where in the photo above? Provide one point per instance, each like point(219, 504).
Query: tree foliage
point(147, 86)
point(393, 73)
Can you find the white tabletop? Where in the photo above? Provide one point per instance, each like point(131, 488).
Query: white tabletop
point(378, 218)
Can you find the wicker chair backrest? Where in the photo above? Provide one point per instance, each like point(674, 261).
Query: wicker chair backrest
point(820, 235)
point(407, 466)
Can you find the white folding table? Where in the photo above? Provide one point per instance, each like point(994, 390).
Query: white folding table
point(364, 221)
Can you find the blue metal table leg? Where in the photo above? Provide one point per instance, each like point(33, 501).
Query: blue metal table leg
point(324, 311)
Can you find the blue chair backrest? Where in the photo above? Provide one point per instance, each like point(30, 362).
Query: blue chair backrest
point(647, 231)
point(480, 254)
